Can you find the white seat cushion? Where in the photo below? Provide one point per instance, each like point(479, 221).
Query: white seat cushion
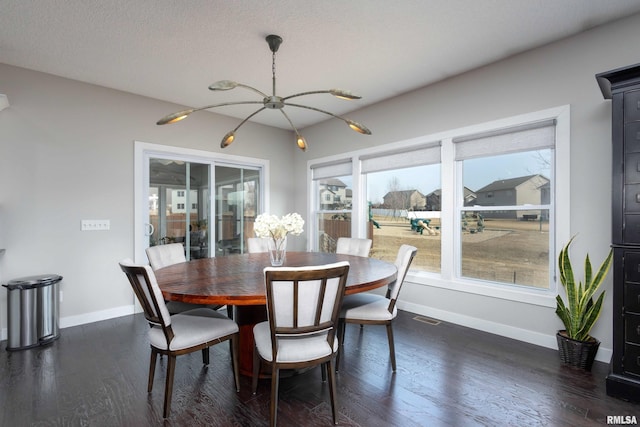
point(291, 350)
point(192, 328)
point(366, 306)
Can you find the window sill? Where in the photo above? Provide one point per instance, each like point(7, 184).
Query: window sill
point(539, 297)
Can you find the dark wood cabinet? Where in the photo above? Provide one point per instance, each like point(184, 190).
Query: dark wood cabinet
point(622, 86)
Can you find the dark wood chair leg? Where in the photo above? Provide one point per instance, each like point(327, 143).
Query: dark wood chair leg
point(230, 316)
point(323, 371)
point(332, 390)
point(341, 330)
point(205, 356)
point(275, 382)
point(152, 369)
point(168, 387)
point(235, 351)
point(392, 349)
point(256, 371)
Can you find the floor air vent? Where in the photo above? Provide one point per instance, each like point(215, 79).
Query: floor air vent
point(428, 320)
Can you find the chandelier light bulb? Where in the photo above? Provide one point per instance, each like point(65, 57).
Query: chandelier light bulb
point(301, 142)
point(228, 139)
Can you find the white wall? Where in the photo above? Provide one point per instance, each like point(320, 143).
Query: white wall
point(558, 74)
point(66, 154)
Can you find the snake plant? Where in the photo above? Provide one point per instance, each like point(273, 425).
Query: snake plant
point(580, 313)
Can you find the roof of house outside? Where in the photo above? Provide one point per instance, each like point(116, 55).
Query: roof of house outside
point(509, 184)
point(333, 181)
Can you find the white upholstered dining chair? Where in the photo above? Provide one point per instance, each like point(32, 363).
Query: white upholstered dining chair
point(174, 335)
point(303, 304)
point(367, 308)
point(163, 256)
point(353, 246)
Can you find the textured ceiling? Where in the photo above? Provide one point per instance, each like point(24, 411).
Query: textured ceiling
point(173, 50)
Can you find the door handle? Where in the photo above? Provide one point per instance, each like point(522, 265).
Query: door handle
point(150, 229)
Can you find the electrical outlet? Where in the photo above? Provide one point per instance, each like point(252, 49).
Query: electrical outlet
point(95, 224)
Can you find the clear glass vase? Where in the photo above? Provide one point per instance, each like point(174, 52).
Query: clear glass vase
point(277, 251)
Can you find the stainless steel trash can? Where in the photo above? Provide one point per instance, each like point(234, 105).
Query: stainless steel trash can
point(32, 311)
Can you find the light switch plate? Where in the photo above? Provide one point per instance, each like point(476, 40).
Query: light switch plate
point(95, 225)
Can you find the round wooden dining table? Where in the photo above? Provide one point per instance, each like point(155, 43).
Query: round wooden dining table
point(238, 280)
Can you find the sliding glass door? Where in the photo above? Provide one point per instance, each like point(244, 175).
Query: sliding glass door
point(236, 206)
point(179, 205)
point(205, 201)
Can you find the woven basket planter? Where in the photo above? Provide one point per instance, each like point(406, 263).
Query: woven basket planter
point(579, 354)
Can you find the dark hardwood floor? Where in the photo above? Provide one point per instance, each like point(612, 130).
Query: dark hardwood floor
point(95, 375)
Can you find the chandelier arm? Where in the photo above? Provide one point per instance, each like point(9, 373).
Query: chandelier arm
point(177, 116)
point(305, 93)
point(225, 104)
point(264, 95)
point(248, 117)
point(300, 141)
point(231, 135)
point(335, 92)
point(353, 125)
point(316, 109)
point(290, 122)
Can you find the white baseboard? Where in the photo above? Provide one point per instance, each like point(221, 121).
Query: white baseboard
point(543, 340)
point(96, 316)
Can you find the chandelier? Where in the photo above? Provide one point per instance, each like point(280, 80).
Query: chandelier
point(273, 102)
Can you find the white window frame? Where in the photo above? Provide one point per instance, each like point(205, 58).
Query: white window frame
point(449, 278)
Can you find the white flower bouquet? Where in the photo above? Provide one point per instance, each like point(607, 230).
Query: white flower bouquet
point(277, 228)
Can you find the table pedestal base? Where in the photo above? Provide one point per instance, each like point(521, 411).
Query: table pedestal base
point(247, 316)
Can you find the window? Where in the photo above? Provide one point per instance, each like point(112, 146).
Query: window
point(403, 197)
point(485, 205)
point(404, 204)
point(333, 191)
point(504, 232)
